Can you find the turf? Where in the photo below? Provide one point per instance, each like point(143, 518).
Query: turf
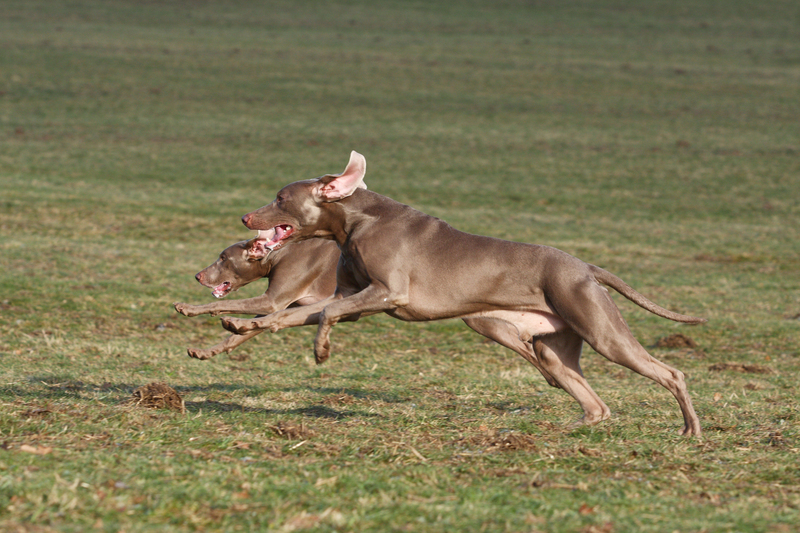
point(655, 139)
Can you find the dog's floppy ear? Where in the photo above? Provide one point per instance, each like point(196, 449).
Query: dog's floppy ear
point(336, 187)
point(254, 249)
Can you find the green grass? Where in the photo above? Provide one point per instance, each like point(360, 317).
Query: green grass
point(658, 140)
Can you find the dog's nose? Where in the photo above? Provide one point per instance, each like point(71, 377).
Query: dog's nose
point(199, 277)
point(246, 219)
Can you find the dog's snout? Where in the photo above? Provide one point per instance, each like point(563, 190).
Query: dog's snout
point(246, 219)
point(199, 276)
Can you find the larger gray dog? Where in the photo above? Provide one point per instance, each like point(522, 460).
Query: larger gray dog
point(415, 267)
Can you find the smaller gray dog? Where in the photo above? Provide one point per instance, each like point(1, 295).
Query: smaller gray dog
point(301, 274)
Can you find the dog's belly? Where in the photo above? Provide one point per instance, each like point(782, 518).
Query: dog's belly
point(529, 324)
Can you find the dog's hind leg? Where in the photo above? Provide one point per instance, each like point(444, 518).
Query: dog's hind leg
point(559, 354)
point(556, 356)
point(506, 334)
point(591, 312)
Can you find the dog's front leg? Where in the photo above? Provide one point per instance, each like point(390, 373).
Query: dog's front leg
point(287, 318)
point(374, 299)
point(261, 305)
point(227, 345)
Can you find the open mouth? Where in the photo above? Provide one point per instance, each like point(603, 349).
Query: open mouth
point(271, 239)
point(222, 290)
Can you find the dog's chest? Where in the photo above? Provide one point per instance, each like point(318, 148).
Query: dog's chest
point(352, 267)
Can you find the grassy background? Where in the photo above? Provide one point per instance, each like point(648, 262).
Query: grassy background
point(655, 139)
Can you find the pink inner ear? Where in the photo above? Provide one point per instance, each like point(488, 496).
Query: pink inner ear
point(347, 182)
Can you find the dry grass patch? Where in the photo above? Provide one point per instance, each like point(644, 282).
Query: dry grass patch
point(499, 440)
point(157, 396)
point(291, 431)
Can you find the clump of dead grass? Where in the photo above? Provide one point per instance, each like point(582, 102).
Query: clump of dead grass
point(493, 440)
point(293, 431)
point(157, 396)
point(339, 399)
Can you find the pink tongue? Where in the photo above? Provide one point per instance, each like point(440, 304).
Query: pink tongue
point(269, 236)
point(220, 289)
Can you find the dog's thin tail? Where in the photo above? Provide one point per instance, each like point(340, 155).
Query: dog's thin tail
point(607, 278)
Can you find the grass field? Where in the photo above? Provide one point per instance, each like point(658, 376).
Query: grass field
point(658, 140)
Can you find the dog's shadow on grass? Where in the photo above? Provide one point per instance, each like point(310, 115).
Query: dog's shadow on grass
point(313, 411)
point(42, 390)
point(340, 396)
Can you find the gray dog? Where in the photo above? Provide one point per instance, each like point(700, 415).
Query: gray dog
point(414, 267)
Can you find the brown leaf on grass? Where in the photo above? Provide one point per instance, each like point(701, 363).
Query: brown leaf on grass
point(292, 431)
point(742, 367)
point(585, 509)
point(36, 450)
point(157, 396)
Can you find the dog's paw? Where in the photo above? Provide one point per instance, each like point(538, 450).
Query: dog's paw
point(230, 323)
point(238, 325)
point(322, 353)
point(691, 430)
point(187, 309)
point(200, 354)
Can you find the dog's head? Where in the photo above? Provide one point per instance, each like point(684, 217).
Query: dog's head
point(235, 267)
point(299, 209)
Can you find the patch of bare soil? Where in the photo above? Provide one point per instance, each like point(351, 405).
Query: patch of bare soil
point(500, 441)
point(677, 340)
point(157, 396)
point(293, 431)
point(746, 368)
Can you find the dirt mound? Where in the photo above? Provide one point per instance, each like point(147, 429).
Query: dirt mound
point(677, 340)
point(157, 396)
point(742, 367)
